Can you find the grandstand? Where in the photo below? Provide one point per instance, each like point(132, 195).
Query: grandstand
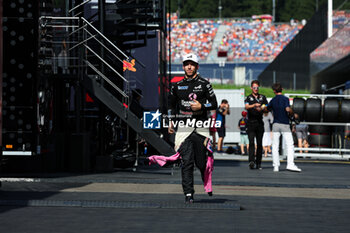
point(243, 39)
point(192, 36)
point(340, 18)
point(329, 62)
point(257, 40)
point(254, 39)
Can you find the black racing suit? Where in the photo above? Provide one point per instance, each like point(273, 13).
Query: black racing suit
point(192, 150)
point(255, 127)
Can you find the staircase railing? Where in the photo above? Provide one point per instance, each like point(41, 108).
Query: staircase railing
point(97, 56)
point(98, 64)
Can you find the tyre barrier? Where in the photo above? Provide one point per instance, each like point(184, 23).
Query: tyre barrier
point(320, 129)
point(331, 110)
point(320, 135)
point(319, 140)
point(299, 107)
point(345, 111)
point(313, 109)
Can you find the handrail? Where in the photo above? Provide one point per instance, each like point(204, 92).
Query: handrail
point(316, 95)
point(110, 42)
point(76, 15)
point(93, 34)
point(322, 149)
point(58, 17)
point(104, 46)
point(106, 63)
point(82, 42)
point(84, 26)
point(326, 123)
point(89, 24)
point(106, 79)
point(61, 26)
point(83, 3)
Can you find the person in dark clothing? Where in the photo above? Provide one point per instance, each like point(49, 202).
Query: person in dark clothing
point(282, 113)
point(255, 104)
point(221, 112)
point(191, 99)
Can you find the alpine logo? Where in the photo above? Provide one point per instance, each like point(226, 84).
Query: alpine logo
point(192, 96)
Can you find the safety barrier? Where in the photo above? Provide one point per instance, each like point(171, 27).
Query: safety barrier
point(328, 120)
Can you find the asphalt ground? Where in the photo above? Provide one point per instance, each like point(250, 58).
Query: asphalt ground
point(150, 199)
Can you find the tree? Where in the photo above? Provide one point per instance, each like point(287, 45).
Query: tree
point(285, 9)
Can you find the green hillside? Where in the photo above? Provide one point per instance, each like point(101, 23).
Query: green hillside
point(267, 91)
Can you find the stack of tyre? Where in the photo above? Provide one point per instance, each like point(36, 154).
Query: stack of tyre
point(312, 110)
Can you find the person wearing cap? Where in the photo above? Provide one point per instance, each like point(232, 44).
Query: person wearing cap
point(242, 126)
point(254, 104)
point(190, 99)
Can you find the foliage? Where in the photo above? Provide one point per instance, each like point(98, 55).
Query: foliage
point(267, 91)
point(285, 9)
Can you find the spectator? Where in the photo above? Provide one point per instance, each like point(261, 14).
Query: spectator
point(242, 126)
point(267, 138)
point(192, 36)
point(257, 40)
point(221, 112)
point(246, 40)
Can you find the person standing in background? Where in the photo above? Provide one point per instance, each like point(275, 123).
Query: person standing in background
point(242, 126)
point(255, 103)
point(282, 111)
point(212, 130)
point(221, 112)
point(301, 130)
point(267, 137)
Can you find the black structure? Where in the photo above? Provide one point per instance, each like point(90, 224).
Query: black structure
point(19, 57)
point(292, 66)
point(334, 76)
point(65, 97)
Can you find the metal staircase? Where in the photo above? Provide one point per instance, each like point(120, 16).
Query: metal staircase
point(97, 64)
point(135, 21)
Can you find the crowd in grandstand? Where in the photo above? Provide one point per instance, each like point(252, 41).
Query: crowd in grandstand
point(255, 39)
point(340, 18)
point(245, 40)
point(195, 36)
